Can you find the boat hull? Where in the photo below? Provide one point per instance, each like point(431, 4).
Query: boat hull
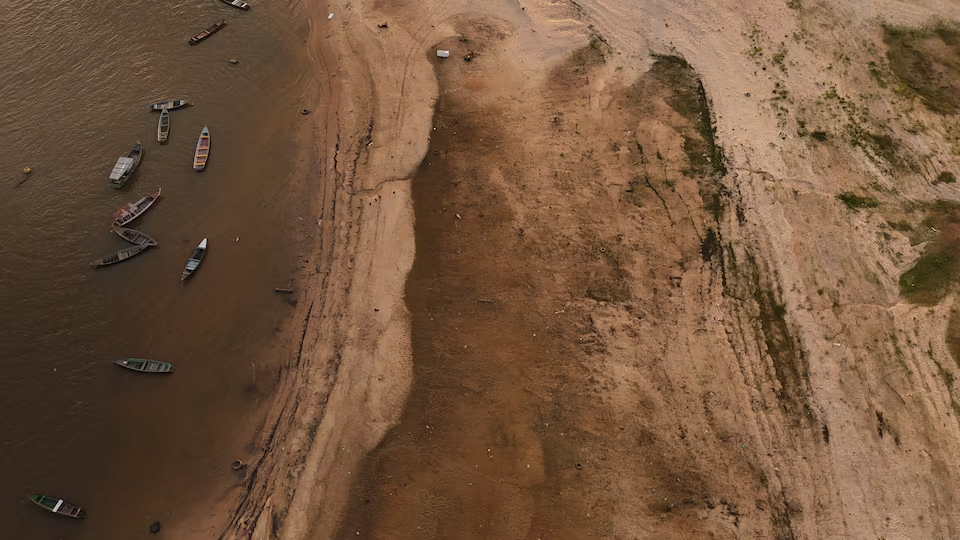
point(132, 211)
point(163, 127)
point(58, 506)
point(194, 261)
point(122, 255)
point(169, 105)
point(126, 166)
point(213, 29)
point(134, 236)
point(144, 365)
point(202, 153)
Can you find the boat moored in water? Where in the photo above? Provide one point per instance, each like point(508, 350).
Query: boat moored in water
point(203, 150)
point(169, 105)
point(237, 4)
point(194, 261)
point(58, 506)
point(126, 166)
point(144, 365)
point(163, 128)
point(132, 211)
point(134, 236)
point(122, 255)
point(209, 31)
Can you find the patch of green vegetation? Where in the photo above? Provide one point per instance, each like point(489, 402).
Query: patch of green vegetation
point(879, 145)
point(878, 73)
point(756, 37)
point(953, 335)
point(946, 177)
point(856, 202)
point(780, 56)
point(688, 98)
point(592, 54)
point(927, 63)
point(929, 281)
point(901, 226)
point(819, 135)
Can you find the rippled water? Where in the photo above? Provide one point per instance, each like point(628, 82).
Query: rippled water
point(75, 79)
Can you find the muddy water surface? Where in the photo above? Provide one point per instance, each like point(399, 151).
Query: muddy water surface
point(76, 81)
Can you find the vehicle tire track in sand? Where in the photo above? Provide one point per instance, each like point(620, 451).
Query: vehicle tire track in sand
point(438, 14)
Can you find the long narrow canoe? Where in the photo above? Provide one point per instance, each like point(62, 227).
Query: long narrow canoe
point(121, 255)
point(134, 236)
point(132, 211)
point(194, 261)
point(169, 105)
point(58, 506)
point(144, 365)
point(209, 31)
point(237, 3)
point(203, 150)
point(126, 166)
point(163, 128)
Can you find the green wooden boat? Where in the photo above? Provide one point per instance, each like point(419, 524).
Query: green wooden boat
point(144, 365)
point(58, 506)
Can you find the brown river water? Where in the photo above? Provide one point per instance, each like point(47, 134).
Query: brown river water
point(75, 79)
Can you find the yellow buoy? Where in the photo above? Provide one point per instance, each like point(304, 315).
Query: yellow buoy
point(26, 170)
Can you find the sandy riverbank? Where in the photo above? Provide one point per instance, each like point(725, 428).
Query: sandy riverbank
point(638, 305)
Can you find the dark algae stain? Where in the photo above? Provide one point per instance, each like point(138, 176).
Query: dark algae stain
point(929, 281)
point(927, 62)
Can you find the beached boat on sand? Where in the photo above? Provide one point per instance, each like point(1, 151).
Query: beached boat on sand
point(237, 3)
point(194, 261)
point(122, 255)
point(144, 365)
point(209, 31)
point(126, 166)
point(203, 150)
point(169, 104)
point(58, 506)
point(163, 128)
point(134, 236)
point(132, 211)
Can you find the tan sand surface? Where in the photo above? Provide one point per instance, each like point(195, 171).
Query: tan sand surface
point(597, 280)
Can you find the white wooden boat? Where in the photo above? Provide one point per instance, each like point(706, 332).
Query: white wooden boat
point(195, 259)
point(203, 150)
point(163, 128)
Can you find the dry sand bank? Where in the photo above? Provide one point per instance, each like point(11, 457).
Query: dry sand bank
point(638, 306)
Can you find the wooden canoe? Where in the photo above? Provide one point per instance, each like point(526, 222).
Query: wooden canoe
point(144, 365)
point(58, 506)
point(194, 261)
point(237, 4)
point(169, 105)
point(163, 128)
point(203, 150)
point(122, 255)
point(134, 236)
point(209, 31)
point(126, 166)
point(132, 211)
